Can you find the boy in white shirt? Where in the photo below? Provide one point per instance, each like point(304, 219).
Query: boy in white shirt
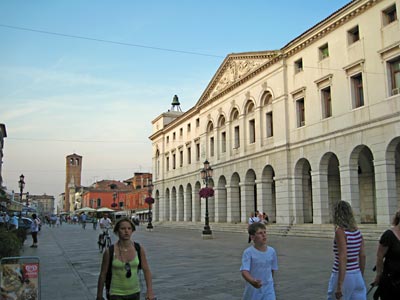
point(259, 262)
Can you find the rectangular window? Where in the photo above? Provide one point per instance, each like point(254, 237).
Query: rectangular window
point(326, 102)
point(197, 122)
point(394, 69)
point(188, 127)
point(173, 161)
point(301, 120)
point(211, 146)
point(223, 142)
point(252, 131)
point(167, 139)
point(167, 163)
point(237, 138)
point(357, 90)
point(181, 158)
point(270, 127)
point(174, 136)
point(353, 35)
point(181, 132)
point(389, 15)
point(98, 202)
point(189, 155)
point(197, 152)
point(323, 52)
point(298, 65)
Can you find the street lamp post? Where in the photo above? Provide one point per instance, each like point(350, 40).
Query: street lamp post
point(21, 184)
point(150, 200)
point(206, 174)
point(27, 199)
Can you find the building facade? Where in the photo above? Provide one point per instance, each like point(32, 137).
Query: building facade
point(291, 131)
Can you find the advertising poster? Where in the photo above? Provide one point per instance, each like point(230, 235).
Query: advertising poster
point(20, 281)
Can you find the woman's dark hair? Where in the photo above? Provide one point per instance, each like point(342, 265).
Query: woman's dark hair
point(396, 218)
point(118, 224)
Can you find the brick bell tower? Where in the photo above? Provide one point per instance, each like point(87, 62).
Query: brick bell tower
point(73, 177)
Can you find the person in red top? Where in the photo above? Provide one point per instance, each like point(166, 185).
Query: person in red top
point(346, 281)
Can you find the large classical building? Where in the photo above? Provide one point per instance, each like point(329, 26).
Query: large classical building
point(291, 131)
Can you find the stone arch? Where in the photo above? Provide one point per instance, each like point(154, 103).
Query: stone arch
point(221, 200)
point(267, 192)
point(235, 203)
point(330, 188)
point(156, 205)
point(167, 207)
point(221, 120)
point(363, 201)
point(234, 114)
point(393, 170)
point(180, 206)
point(196, 212)
point(266, 98)
point(188, 213)
point(172, 214)
point(303, 206)
point(249, 107)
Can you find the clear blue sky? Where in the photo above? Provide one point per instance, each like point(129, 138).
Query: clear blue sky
point(88, 77)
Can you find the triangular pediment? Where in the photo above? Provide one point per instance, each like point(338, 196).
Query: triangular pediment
point(234, 69)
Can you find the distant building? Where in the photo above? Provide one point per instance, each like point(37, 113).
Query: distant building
point(126, 196)
point(44, 204)
point(105, 193)
point(291, 131)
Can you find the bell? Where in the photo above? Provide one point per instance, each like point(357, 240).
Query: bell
point(175, 101)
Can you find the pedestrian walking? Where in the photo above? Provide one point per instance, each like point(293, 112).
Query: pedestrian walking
point(388, 263)
point(259, 262)
point(346, 281)
point(253, 219)
point(94, 222)
point(34, 230)
point(120, 265)
point(83, 220)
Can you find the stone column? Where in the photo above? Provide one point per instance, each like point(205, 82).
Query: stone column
point(320, 197)
point(233, 204)
point(386, 193)
point(247, 203)
point(349, 188)
point(196, 212)
point(220, 204)
point(284, 208)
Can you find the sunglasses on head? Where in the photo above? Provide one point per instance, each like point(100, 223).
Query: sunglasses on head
point(128, 270)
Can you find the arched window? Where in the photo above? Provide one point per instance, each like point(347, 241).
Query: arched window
point(266, 102)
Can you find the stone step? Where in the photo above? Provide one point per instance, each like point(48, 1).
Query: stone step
point(369, 231)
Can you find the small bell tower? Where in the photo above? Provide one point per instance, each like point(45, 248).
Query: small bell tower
point(176, 106)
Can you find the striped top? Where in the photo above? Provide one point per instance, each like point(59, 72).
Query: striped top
point(353, 243)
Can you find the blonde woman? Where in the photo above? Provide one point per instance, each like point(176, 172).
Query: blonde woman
point(346, 280)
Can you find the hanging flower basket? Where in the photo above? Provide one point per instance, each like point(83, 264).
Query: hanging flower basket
point(113, 204)
point(149, 200)
point(206, 192)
